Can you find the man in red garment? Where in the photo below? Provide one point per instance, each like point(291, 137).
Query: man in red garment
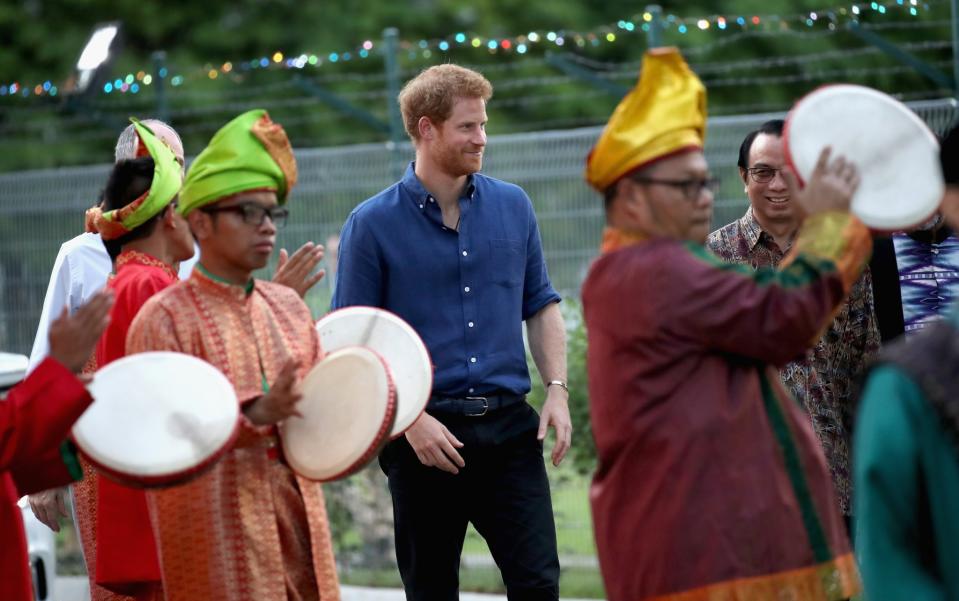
point(711, 483)
point(146, 238)
point(35, 418)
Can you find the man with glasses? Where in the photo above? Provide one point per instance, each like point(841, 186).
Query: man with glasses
point(82, 267)
point(822, 378)
point(249, 528)
point(710, 483)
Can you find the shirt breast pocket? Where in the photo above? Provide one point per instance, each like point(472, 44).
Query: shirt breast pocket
point(507, 262)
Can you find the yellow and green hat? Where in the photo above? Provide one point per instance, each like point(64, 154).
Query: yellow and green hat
point(251, 152)
point(663, 115)
point(167, 180)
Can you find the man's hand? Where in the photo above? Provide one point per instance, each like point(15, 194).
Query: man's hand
point(280, 402)
point(434, 445)
point(830, 187)
point(294, 272)
point(73, 338)
point(556, 415)
point(49, 506)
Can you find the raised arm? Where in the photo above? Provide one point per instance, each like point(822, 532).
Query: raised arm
point(39, 412)
point(767, 315)
point(774, 315)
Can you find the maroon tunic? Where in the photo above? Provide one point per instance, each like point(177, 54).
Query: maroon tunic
point(711, 483)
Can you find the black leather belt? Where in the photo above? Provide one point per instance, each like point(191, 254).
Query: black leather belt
point(473, 406)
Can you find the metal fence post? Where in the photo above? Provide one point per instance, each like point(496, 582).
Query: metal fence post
point(159, 81)
point(955, 47)
point(654, 36)
point(395, 119)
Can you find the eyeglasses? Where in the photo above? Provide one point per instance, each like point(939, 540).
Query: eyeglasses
point(763, 175)
point(690, 188)
point(254, 214)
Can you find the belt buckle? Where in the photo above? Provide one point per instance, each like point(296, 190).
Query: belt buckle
point(485, 406)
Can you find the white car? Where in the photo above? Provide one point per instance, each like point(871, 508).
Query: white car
point(40, 540)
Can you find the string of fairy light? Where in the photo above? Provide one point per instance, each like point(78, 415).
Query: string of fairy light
point(638, 24)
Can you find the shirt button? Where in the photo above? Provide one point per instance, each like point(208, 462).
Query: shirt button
point(472, 359)
point(421, 206)
point(471, 390)
point(465, 253)
point(470, 324)
point(467, 289)
point(431, 199)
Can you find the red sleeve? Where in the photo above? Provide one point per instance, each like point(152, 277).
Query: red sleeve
point(56, 467)
point(38, 413)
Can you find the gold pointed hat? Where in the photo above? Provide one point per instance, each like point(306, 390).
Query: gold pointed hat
point(665, 114)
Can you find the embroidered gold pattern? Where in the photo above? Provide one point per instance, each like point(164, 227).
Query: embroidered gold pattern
point(277, 143)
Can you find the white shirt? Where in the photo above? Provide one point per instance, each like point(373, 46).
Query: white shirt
point(80, 270)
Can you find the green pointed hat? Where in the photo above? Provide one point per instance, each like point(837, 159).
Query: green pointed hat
point(167, 180)
point(251, 152)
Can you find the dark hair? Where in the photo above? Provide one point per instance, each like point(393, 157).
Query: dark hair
point(609, 195)
point(128, 181)
point(949, 156)
point(773, 127)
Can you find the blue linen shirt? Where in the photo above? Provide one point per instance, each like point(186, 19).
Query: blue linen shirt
point(466, 293)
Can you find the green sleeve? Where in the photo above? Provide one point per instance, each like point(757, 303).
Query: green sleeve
point(893, 419)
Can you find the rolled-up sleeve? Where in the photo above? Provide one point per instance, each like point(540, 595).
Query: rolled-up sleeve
point(538, 291)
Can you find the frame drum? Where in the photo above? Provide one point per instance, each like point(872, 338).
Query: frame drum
point(901, 182)
point(399, 345)
point(157, 419)
point(348, 408)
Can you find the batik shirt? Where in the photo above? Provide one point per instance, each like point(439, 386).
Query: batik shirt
point(823, 377)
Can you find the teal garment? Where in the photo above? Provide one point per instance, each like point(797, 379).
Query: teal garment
point(906, 493)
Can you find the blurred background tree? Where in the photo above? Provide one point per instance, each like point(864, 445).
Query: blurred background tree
point(210, 49)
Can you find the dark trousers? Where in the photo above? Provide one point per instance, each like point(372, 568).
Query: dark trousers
point(503, 491)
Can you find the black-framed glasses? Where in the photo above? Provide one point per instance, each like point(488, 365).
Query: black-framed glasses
point(254, 214)
point(763, 175)
point(690, 188)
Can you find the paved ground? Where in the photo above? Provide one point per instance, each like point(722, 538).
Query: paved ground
point(74, 588)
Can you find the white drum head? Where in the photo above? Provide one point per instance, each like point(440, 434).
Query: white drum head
point(897, 155)
point(348, 408)
point(399, 345)
point(157, 418)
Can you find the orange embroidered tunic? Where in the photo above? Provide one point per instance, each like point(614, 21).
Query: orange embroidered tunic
point(248, 529)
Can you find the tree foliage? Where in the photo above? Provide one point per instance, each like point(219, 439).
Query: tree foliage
point(43, 38)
